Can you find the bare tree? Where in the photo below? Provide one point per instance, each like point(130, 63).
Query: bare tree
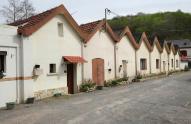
point(13, 11)
point(28, 9)
point(17, 10)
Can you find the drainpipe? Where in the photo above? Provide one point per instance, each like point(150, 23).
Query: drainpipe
point(21, 51)
point(168, 63)
point(174, 63)
point(82, 54)
point(150, 61)
point(136, 71)
point(160, 62)
point(115, 60)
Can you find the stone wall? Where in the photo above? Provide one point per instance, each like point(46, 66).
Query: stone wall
point(50, 92)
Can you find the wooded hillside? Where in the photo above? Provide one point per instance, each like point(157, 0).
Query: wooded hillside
point(167, 25)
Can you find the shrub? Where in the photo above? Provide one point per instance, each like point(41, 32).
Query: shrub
point(86, 86)
point(139, 76)
point(186, 68)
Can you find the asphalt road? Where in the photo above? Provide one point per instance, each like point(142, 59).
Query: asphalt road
point(161, 101)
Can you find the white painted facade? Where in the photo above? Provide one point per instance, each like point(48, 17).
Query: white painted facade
point(9, 87)
point(49, 48)
point(143, 53)
point(155, 55)
point(125, 52)
point(164, 60)
point(171, 61)
point(177, 61)
point(101, 46)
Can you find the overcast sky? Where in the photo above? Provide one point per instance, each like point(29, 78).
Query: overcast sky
point(89, 10)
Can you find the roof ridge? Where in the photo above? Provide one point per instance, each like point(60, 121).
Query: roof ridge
point(22, 21)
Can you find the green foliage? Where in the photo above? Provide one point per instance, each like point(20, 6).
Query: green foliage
point(139, 76)
point(167, 25)
point(186, 68)
point(86, 86)
point(115, 82)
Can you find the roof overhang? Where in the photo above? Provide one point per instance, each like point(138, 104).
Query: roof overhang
point(74, 59)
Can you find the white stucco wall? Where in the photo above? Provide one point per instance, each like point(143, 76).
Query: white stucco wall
point(155, 54)
point(143, 52)
point(100, 46)
point(9, 42)
point(164, 61)
point(177, 57)
point(126, 51)
point(171, 56)
point(48, 47)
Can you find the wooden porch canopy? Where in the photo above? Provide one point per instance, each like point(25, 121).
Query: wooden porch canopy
point(74, 59)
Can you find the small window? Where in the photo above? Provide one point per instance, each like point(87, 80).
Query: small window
point(52, 68)
point(172, 63)
point(3, 61)
point(177, 63)
point(143, 64)
point(157, 63)
point(60, 30)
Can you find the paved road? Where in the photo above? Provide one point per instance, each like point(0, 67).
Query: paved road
point(163, 101)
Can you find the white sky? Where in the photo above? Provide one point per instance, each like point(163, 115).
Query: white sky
point(90, 10)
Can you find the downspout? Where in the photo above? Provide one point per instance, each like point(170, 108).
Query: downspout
point(168, 64)
point(21, 51)
point(160, 63)
point(82, 54)
point(150, 61)
point(115, 60)
point(136, 71)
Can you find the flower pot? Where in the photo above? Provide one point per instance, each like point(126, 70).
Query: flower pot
point(10, 105)
point(99, 87)
point(30, 100)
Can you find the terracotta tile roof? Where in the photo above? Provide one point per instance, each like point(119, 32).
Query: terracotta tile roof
point(89, 27)
point(74, 59)
point(145, 39)
point(28, 26)
point(127, 32)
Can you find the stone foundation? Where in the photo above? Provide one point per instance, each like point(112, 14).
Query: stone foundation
point(50, 92)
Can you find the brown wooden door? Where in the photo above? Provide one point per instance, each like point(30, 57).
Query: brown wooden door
point(124, 68)
point(98, 71)
point(70, 78)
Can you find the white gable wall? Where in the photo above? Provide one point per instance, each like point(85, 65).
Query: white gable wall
point(126, 51)
point(48, 47)
point(171, 56)
point(177, 57)
point(143, 52)
point(164, 61)
point(9, 42)
point(100, 46)
point(155, 54)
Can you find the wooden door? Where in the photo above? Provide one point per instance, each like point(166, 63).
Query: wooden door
point(98, 71)
point(70, 78)
point(164, 64)
point(124, 68)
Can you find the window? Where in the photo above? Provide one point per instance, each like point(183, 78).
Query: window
point(177, 63)
point(183, 53)
point(52, 68)
point(172, 63)
point(143, 64)
point(3, 61)
point(157, 63)
point(60, 30)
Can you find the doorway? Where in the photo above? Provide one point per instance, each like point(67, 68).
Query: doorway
point(124, 68)
point(70, 78)
point(98, 71)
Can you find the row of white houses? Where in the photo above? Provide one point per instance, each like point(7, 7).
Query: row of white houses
point(50, 53)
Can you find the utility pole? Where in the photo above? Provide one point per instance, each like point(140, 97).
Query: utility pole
point(107, 11)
